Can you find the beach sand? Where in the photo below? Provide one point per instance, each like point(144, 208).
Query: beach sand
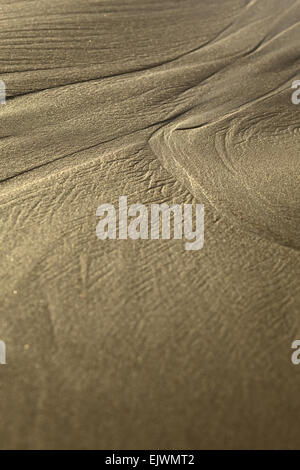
point(140, 344)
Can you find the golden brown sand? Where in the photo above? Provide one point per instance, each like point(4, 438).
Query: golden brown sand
point(140, 344)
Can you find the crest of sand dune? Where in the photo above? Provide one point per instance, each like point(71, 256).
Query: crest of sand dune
point(238, 143)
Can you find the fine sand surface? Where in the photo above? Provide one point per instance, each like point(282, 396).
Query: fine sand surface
point(140, 344)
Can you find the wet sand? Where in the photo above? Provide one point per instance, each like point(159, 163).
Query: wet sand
point(139, 344)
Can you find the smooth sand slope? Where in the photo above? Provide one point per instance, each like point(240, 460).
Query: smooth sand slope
point(122, 344)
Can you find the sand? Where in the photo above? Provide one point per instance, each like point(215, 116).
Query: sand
point(139, 344)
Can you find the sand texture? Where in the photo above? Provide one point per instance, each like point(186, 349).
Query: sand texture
point(140, 344)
